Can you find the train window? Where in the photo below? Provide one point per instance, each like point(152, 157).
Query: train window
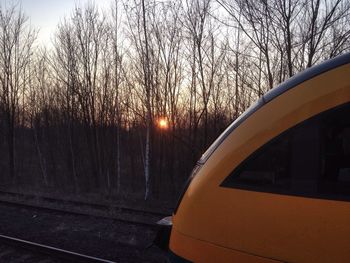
point(335, 176)
point(267, 168)
point(310, 159)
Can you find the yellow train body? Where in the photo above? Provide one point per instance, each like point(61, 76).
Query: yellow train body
point(214, 223)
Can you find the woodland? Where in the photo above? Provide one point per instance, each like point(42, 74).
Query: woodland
point(126, 98)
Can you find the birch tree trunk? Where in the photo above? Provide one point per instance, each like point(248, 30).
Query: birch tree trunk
point(147, 83)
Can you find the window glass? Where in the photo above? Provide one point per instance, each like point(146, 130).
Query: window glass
point(267, 168)
point(312, 159)
point(335, 176)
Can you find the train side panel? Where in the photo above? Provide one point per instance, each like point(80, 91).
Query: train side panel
point(265, 225)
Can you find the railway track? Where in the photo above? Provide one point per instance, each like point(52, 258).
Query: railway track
point(62, 224)
point(97, 205)
point(19, 250)
point(118, 213)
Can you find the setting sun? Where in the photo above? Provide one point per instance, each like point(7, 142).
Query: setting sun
point(163, 123)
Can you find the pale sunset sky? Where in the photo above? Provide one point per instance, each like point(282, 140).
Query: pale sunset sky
point(45, 15)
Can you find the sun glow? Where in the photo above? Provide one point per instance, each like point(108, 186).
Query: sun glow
point(163, 123)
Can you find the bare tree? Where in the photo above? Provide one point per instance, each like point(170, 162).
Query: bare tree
point(321, 17)
point(79, 49)
point(117, 62)
point(16, 50)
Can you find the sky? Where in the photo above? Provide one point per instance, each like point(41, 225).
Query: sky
point(46, 14)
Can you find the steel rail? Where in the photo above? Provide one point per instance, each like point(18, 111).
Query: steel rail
point(51, 251)
point(101, 206)
point(67, 211)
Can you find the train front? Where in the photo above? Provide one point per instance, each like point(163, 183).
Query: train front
point(255, 195)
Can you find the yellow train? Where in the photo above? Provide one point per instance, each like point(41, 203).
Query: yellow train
point(275, 186)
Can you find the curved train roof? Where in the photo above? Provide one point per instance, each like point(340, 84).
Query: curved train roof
point(275, 92)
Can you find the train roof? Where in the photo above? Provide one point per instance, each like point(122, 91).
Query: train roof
point(292, 82)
